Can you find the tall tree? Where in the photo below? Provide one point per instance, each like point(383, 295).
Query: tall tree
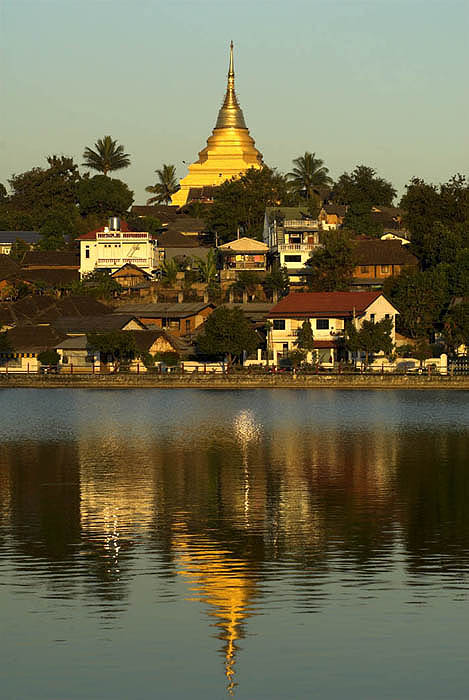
point(104, 196)
point(166, 186)
point(108, 156)
point(370, 338)
point(456, 326)
point(227, 332)
point(207, 267)
point(241, 202)
point(332, 264)
point(40, 190)
point(363, 185)
point(309, 175)
point(117, 346)
point(305, 337)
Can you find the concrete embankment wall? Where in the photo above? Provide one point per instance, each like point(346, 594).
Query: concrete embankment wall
point(234, 381)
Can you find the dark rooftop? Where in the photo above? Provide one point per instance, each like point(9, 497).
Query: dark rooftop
point(164, 310)
point(29, 237)
point(33, 338)
point(51, 258)
point(377, 252)
point(8, 267)
point(99, 324)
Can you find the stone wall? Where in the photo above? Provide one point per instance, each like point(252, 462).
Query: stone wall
point(235, 381)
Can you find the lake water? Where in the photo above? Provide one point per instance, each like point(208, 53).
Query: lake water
point(260, 544)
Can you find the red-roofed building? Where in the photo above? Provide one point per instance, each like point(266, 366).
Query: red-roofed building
point(111, 247)
point(328, 313)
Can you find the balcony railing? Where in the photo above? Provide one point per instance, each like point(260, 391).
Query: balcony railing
point(247, 266)
point(120, 235)
point(300, 223)
point(288, 247)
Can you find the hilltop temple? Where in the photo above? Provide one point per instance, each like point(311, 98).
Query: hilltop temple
point(230, 150)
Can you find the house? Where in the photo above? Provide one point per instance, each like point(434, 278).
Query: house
point(180, 319)
point(9, 238)
point(112, 246)
point(175, 244)
point(130, 276)
point(332, 216)
point(377, 260)
point(51, 268)
point(107, 323)
point(291, 235)
point(240, 255)
point(26, 343)
point(328, 312)
point(76, 355)
point(35, 309)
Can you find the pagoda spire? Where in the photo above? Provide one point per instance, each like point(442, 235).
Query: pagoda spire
point(230, 114)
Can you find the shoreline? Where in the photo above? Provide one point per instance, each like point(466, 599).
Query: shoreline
point(233, 382)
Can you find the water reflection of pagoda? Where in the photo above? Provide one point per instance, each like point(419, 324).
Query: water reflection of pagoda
point(226, 584)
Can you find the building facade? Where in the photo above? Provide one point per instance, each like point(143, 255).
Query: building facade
point(114, 246)
point(328, 312)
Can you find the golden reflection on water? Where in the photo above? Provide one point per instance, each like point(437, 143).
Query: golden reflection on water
point(224, 504)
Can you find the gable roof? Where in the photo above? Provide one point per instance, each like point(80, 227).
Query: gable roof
point(334, 304)
point(33, 339)
point(165, 310)
point(129, 268)
point(244, 244)
point(379, 252)
point(99, 324)
point(51, 277)
point(163, 212)
point(187, 224)
point(51, 258)
point(175, 239)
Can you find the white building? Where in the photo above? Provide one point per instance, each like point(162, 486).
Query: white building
point(113, 246)
point(328, 312)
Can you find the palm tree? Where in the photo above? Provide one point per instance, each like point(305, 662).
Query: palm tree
point(309, 174)
point(107, 156)
point(170, 268)
point(207, 268)
point(166, 187)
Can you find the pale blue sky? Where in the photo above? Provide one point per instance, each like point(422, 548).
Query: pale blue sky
point(380, 82)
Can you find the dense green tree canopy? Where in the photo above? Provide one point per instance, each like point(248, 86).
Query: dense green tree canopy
point(305, 337)
point(107, 156)
point(241, 202)
point(227, 332)
point(456, 326)
point(332, 264)
point(420, 297)
point(104, 196)
point(370, 338)
point(359, 219)
point(363, 186)
point(40, 190)
point(117, 346)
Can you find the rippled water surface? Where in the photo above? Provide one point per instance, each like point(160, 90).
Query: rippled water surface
point(260, 544)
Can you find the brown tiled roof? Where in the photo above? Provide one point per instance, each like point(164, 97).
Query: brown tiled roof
point(164, 213)
point(320, 304)
point(8, 267)
point(337, 209)
point(186, 224)
point(91, 235)
point(164, 310)
point(58, 277)
point(24, 310)
point(51, 258)
point(174, 239)
point(91, 324)
point(33, 338)
point(377, 252)
point(145, 339)
point(130, 267)
point(72, 307)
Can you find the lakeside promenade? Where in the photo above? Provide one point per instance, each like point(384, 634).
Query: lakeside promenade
point(234, 381)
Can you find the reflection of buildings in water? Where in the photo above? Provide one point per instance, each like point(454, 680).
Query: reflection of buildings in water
point(5, 491)
point(117, 494)
point(226, 584)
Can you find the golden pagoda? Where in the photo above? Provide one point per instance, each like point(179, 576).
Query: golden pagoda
point(230, 150)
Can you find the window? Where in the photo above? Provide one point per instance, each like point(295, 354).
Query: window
point(293, 258)
point(385, 269)
point(364, 268)
point(372, 318)
point(87, 253)
point(188, 325)
point(279, 324)
point(322, 324)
